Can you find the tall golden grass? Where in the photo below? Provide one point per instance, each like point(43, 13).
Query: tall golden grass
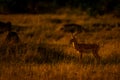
point(45, 52)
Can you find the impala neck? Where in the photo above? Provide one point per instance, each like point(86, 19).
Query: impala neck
point(74, 43)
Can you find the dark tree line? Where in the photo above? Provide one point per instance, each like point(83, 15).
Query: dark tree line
point(47, 6)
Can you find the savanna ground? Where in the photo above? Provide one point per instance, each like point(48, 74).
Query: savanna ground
point(47, 55)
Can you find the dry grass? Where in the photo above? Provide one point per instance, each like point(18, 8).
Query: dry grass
point(45, 52)
point(61, 71)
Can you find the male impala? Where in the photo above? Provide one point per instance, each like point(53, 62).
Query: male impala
point(83, 48)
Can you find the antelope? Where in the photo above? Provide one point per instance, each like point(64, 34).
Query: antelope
point(12, 37)
point(84, 48)
point(13, 41)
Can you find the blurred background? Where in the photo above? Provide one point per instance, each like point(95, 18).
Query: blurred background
point(92, 7)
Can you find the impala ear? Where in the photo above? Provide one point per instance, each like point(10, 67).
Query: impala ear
point(74, 35)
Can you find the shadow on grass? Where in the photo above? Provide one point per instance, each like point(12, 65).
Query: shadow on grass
point(52, 54)
point(18, 28)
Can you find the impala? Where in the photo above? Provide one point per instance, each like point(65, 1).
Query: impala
point(12, 38)
point(85, 48)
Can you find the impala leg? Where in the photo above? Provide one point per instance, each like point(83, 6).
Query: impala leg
point(80, 57)
point(96, 56)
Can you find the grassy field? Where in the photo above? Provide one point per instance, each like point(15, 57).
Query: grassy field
point(46, 53)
